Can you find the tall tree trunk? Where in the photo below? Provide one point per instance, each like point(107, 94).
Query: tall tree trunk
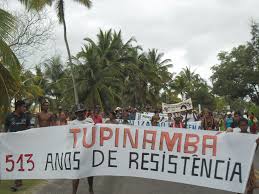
point(70, 62)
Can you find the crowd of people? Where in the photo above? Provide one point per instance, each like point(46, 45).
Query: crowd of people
point(21, 119)
point(209, 120)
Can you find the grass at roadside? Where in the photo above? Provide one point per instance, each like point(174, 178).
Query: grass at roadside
point(25, 189)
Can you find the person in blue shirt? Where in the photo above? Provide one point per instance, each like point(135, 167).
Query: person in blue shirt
point(228, 120)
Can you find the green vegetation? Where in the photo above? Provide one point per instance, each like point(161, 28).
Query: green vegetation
point(236, 77)
point(60, 9)
point(27, 186)
point(111, 72)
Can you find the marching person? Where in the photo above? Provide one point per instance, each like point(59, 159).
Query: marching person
point(170, 118)
point(62, 117)
point(132, 114)
point(80, 112)
point(112, 118)
point(17, 121)
point(97, 118)
point(244, 128)
point(118, 112)
point(125, 116)
point(236, 120)
point(178, 123)
point(228, 120)
point(155, 119)
point(191, 116)
point(221, 123)
point(45, 118)
point(208, 122)
point(252, 121)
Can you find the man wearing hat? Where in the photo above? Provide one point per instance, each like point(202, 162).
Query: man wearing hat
point(80, 112)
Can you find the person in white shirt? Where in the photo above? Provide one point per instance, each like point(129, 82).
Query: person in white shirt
point(191, 116)
point(81, 118)
point(244, 128)
point(170, 117)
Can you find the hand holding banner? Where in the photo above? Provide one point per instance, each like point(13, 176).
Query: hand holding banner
point(208, 158)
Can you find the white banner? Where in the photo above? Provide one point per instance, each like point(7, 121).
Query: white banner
point(178, 107)
point(194, 125)
point(143, 123)
point(128, 122)
point(190, 125)
point(148, 116)
point(148, 123)
point(207, 158)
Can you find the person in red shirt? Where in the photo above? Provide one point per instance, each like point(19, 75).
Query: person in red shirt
point(97, 118)
point(178, 123)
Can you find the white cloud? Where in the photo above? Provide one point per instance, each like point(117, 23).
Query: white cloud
point(190, 32)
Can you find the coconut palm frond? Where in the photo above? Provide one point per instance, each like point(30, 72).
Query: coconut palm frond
point(36, 4)
point(7, 24)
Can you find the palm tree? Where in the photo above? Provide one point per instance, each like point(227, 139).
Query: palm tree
point(27, 85)
point(7, 24)
point(179, 86)
point(158, 75)
point(57, 78)
point(134, 91)
point(8, 60)
point(184, 82)
point(101, 65)
point(40, 4)
point(7, 86)
point(190, 85)
point(187, 74)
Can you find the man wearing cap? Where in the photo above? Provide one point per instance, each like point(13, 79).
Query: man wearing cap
point(17, 121)
point(80, 112)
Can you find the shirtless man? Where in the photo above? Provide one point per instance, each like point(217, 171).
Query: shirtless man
point(45, 118)
point(62, 118)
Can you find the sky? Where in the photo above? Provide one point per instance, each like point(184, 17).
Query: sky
point(189, 32)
